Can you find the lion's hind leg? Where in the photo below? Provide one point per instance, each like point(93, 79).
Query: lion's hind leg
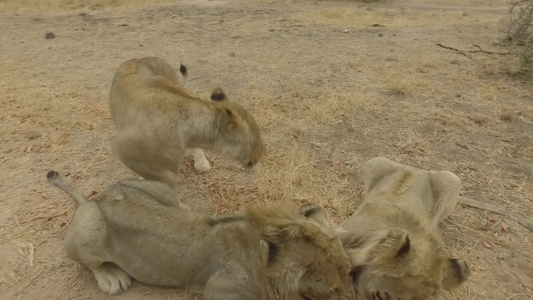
point(111, 279)
point(87, 242)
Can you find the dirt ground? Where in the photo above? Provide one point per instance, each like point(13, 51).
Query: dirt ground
point(332, 84)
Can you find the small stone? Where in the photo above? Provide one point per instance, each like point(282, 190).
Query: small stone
point(49, 35)
point(232, 54)
point(345, 31)
point(380, 34)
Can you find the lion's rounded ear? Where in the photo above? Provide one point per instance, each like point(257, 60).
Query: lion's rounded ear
point(456, 271)
point(218, 95)
point(309, 209)
point(268, 252)
point(406, 246)
point(316, 213)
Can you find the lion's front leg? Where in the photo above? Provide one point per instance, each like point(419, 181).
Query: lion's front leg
point(201, 164)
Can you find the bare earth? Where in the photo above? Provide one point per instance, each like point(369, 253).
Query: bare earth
point(331, 83)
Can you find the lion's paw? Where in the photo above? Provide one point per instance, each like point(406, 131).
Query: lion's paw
point(112, 279)
point(202, 165)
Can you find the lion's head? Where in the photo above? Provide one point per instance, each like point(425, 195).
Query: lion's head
point(395, 264)
point(298, 257)
point(241, 135)
point(393, 238)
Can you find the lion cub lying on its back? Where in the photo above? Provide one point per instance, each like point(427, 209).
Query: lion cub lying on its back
point(393, 237)
point(157, 120)
point(136, 228)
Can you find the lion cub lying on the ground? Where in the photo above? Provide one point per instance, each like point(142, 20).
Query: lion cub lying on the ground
point(134, 228)
point(157, 120)
point(393, 236)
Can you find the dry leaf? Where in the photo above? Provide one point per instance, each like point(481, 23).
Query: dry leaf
point(487, 244)
point(300, 197)
point(505, 227)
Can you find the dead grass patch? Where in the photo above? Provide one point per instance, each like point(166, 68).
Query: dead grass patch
point(392, 17)
point(51, 5)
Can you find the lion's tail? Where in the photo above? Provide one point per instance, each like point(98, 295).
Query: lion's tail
point(54, 178)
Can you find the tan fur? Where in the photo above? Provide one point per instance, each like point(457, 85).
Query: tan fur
point(157, 120)
point(393, 238)
point(136, 228)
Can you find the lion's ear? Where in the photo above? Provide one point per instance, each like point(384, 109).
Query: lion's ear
point(355, 274)
point(317, 214)
point(268, 252)
point(218, 95)
point(226, 118)
point(456, 271)
point(385, 250)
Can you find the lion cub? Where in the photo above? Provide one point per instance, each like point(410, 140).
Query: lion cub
point(393, 237)
point(136, 228)
point(157, 120)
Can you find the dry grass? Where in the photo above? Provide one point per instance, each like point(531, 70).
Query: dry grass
point(391, 17)
point(327, 100)
point(55, 5)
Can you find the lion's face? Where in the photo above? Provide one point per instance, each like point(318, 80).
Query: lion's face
point(302, 258)
point(241, 135)
point(409, 287)
point(407, 267)
point(325, 274)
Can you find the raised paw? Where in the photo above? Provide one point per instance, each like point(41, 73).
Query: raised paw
point(112, 279)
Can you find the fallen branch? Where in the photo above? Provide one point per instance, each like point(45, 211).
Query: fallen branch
point(516, 216)
point(456, 50)
point(466, 52)
point(487, 52)
point(195, 78)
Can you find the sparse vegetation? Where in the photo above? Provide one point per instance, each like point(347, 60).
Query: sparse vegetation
point(527, 55)
point(520, 30)
point(520, 24)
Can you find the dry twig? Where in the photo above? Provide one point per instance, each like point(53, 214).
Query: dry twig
point(466, 52)
point(516, 216)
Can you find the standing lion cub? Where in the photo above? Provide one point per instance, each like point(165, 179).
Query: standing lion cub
point(157, 120)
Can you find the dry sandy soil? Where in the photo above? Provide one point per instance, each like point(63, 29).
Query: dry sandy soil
point(332, 84)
